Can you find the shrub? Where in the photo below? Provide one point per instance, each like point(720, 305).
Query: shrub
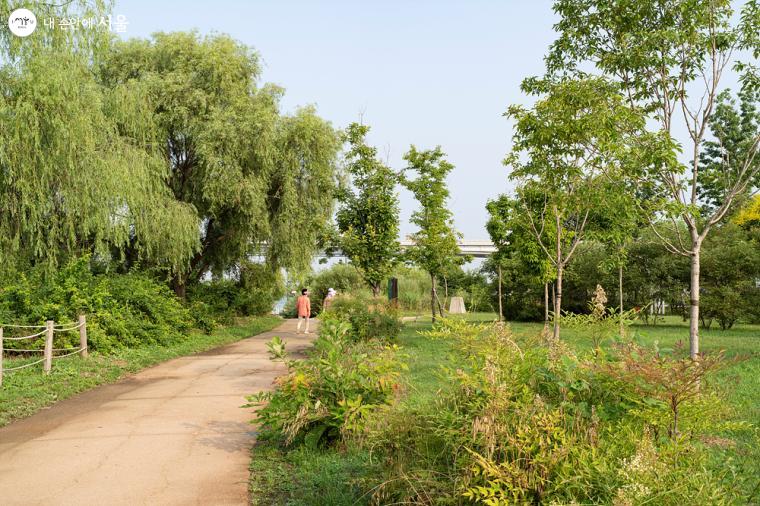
point(368, 321)
point(342, 277)
point(124, 310)
point(413, 289)
point(526, 422)
point(253, 293)
point(329, 394)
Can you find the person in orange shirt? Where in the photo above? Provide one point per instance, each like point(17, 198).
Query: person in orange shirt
point(303, 309)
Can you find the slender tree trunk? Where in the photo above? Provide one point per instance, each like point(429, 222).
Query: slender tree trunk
point(546, 304)
point(438, 302)
point(694, 301)
point(558, 303)
point(375, 289)
point(432, 296)
point(554, 296)
point(620, 292)
point(558, 284)
point(501, 309)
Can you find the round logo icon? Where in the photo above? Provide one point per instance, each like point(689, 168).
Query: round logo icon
point(22, 22)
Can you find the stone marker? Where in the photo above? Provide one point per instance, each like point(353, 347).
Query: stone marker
point(457, 306)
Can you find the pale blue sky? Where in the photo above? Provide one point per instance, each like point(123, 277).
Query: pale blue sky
point(422, 72)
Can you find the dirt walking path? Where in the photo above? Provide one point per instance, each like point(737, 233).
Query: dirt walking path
point(174, 434)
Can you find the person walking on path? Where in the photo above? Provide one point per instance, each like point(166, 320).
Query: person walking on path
point(303, 309)
point(329, 299)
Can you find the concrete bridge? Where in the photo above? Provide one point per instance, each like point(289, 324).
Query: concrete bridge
point(473, 248)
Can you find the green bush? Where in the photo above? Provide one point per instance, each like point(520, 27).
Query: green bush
point(368, 321)
point(413, 289)
point(342, 277)
point(527, 422)
point(328, 395)
point(124, 310)
point(252, 294)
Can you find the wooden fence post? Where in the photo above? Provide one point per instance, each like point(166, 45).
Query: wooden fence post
point(83, 335)
point(49, 346)
point(1, 356)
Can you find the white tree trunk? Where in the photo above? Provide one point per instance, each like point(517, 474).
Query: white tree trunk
point(501, 309)
point(432, 296)
point(557, 303)
point(620, 288)
point(694, 301)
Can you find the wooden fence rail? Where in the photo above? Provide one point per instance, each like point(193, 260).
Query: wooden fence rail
point(48, 331)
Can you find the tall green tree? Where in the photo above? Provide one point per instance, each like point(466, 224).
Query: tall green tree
point(734, 127)
point(510, 231)
point(368, 218)
point(77, 171)
point(668, 58)
point(301, 189)
point(255, 179)
point(562, 146)
point(435, 246)
point(618, 223)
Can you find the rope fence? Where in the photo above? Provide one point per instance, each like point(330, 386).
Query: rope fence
point(50, 329)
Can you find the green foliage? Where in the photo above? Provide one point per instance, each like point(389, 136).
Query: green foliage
point(254, 293)
point(435, 243)
point(730, 263)
point(526, 421)
point(344, 278)
point(600, 323)
point(368, 218)
point(413, 288)
point(328, 395)
point(367, 320)
point(249, 174)
point(75, 173)
point(686, 45)
point(123, 310)
point(735, 130)
point(577, 133)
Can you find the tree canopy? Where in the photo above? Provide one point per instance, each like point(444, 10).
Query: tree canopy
point(368, 218)
point(255, 179)
point(435, 246)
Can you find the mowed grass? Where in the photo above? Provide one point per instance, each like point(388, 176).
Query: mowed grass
point(28, 390)
point(303, 477)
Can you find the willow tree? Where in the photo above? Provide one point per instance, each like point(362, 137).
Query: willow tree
point(435, 246)
point(669, 58)
point(77, 173)
point(254, 178)
point(368, 218)
point(301, 189)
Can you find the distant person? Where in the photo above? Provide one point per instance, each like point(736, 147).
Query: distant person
point(303, 309)
point(329, 299)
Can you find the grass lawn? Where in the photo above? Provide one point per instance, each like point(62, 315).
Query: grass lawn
point(26, 391)
point(317, 477)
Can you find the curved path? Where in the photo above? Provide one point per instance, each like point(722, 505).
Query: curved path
point(174, 434)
